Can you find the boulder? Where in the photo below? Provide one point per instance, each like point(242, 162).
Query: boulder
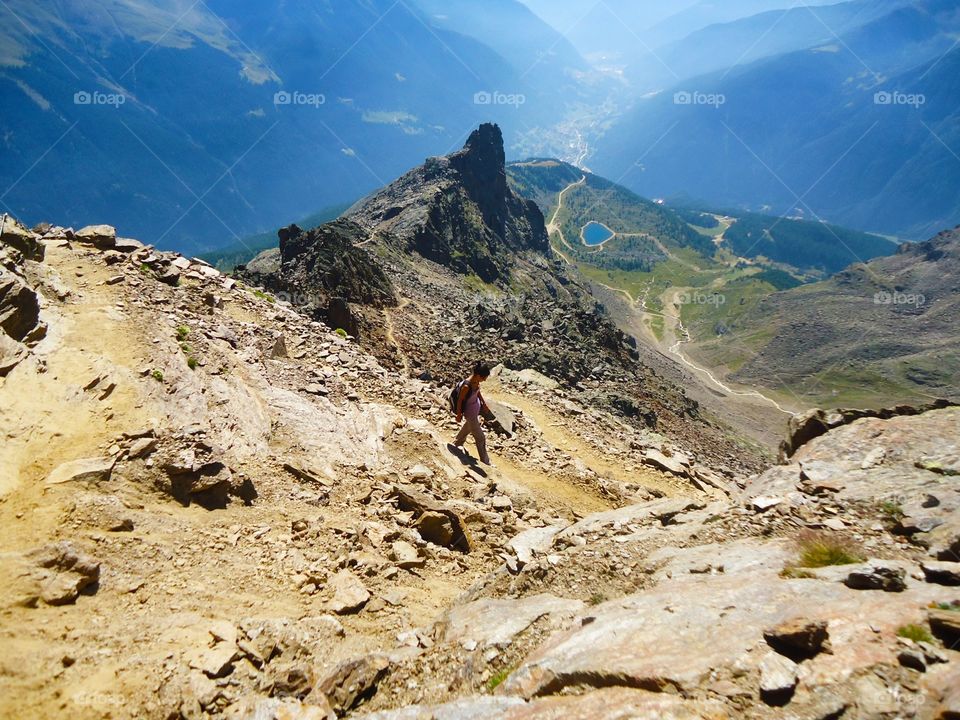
point(799, 639)
point(101, 236)
point(15, 235)
point(19, 306)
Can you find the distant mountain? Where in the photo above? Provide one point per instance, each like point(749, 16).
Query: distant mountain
point(192, 126)
point(866, 133)
point(623, 32)
point(877, 333)
point(740, 42)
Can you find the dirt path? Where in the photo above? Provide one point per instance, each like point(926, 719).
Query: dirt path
point(558, 432)
point(552, 225)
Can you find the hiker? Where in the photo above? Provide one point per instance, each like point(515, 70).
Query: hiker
point(468, 404)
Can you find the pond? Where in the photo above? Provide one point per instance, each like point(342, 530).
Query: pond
point(596, 234)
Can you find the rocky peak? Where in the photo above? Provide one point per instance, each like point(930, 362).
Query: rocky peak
point(482, 162)
point(458, 211)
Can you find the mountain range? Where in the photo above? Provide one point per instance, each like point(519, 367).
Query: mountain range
point(867, 119)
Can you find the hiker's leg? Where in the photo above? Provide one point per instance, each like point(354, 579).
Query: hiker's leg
point(477, 430)
point(462, 435)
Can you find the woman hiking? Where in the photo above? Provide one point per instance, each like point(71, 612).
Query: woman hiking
point(468, 405)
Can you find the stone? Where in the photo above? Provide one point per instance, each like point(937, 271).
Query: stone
point(349, 595)
point(127, 245)
point(101, 236)
point(436, 528)
point(529, 543)
point(420, 472)
point(406, 555)
point(19, 306)
point(65, 572)
point(215, 662)
point(799, 639)
point(12, 353)
point(435, 522)
point(763, 503)
point(353, 681)
point(142, 448)
point(659, 460)
point(82, 470)
point(941, 572)
point(778, 679)
point(170, 276)
point(876, 575)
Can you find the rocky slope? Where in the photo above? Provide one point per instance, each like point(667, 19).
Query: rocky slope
point(889, 325)
point(471, 276)
point(215, 506)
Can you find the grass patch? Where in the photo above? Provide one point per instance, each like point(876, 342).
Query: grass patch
point(796, 573)
point(497, 680)
point(341, 332)
point(597, 598)
point(182, 333)
point(157, 375)
point(264, 296)
point(192, 362)
point(818, 549)
point(891, 510)
point(917, 633)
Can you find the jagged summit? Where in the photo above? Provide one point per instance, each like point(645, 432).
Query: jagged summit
point(458, 211)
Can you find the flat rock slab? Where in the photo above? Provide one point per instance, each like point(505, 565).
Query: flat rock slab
point(82, 470)
point(605, 704)
point(657, 640)
point(497, 622)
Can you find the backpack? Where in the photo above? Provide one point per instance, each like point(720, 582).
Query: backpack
point(455, 395)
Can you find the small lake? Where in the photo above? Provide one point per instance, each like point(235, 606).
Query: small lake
point(596, 234)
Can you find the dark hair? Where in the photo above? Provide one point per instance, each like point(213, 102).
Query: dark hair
point(481, 369)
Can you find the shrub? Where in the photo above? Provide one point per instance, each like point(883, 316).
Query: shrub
point(182, 332)
point(917, 633)
point(157, 375)
point(192, 362)
point(822, 550)
point(341, 332)
point(597, 598)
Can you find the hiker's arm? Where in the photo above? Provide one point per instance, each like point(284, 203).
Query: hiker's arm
point(483, 403)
